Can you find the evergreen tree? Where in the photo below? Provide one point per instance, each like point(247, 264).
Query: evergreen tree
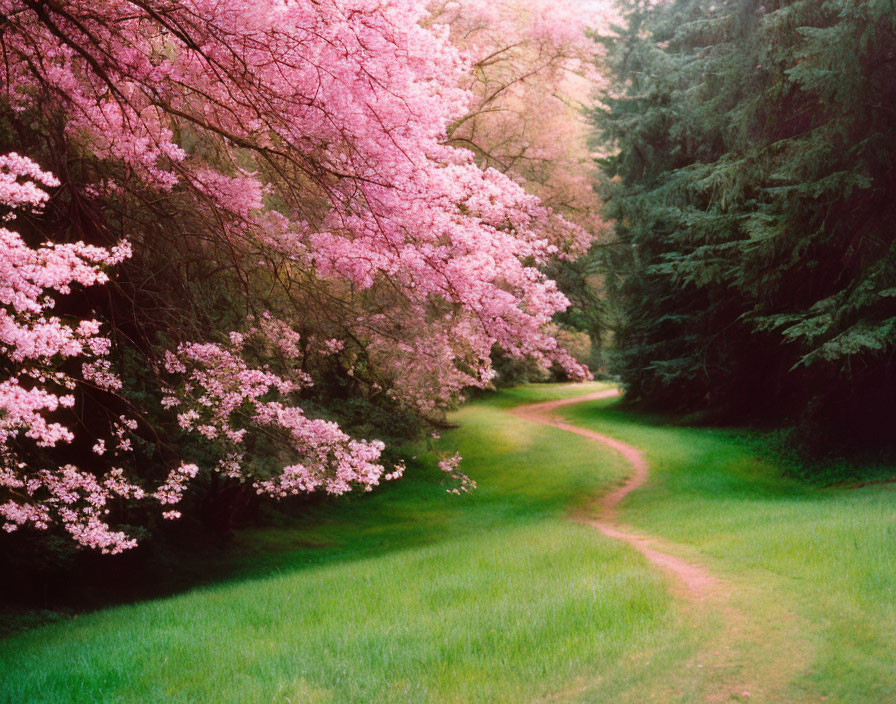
point(752, 185)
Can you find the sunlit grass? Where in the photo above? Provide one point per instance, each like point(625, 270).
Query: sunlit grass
point(413, 595)
point(827, 555)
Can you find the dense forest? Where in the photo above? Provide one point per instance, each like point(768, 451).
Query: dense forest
point(749, 164)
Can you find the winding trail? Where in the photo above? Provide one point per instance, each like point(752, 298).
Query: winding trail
point(695, 580)
point(744, 657)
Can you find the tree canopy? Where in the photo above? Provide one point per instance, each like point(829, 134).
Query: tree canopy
point(263, 239)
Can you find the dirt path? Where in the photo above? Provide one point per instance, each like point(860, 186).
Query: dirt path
point(695, 580)
point(749, 654)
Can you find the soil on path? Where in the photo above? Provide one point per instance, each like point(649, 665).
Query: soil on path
point(695, 580)
point(750, 655)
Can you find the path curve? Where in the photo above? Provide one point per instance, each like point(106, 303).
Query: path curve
point(742, 659)
point(696, 581)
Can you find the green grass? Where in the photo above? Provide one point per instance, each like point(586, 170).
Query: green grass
point(410, 595)
point(826, 557)
point(414, 595)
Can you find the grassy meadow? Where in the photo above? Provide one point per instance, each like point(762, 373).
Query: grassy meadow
point(415, 595)
point(410, 595)
point(814, 567)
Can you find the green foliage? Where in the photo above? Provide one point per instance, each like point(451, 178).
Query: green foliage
point(753, 186)
point(581, 281)
point(408, 595)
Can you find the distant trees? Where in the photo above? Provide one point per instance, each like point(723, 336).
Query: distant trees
point(532, 70)
point(752, 183)
point(532, 73)
point(300, 254)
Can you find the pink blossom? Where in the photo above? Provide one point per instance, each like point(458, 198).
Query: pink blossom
point(309, 139)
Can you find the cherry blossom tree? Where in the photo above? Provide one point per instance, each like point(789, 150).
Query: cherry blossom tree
point(34, 344)
point(533, 68)
point(277, 187)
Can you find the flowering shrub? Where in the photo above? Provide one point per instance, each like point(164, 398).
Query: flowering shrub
point(34, 344)
point(224, 400)
point(283, 156)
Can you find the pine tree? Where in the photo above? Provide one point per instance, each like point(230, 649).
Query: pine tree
point(754, 196)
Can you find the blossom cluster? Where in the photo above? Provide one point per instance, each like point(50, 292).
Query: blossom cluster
point(303, 146)
point(221, 398)
point(355, 96)
point(451, 467)
point(34, 345)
